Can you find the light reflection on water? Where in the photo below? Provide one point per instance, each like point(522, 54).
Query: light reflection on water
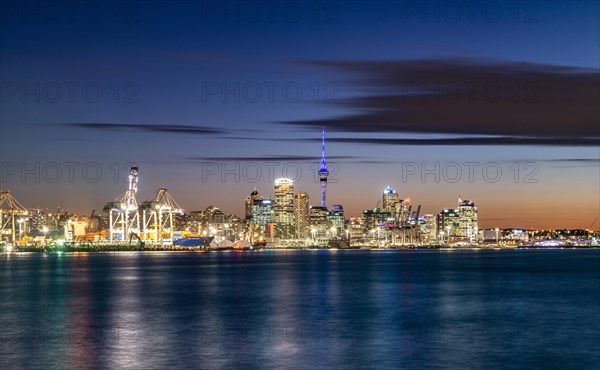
point(301, 309)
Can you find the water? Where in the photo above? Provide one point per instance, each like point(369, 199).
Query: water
point(301, 310)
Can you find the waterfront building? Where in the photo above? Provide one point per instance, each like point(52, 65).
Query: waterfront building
point(301, 214)
point(391, 203)
point(447, 225)
point(355, 229)
point(262, 212)
point(283, 209)
point(318, 222)
point(249, 203)
point(468, 228)
point(430, 231)
point(336, 219)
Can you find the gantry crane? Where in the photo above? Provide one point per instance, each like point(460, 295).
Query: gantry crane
point(11, 213)
point(123, 212)
point(157, 216)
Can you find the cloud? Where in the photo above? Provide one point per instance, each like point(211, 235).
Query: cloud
point(523, 103)
point(180, 129)
point(572, 162)
point(576, 160)
point(298, 158)
point(504, 140)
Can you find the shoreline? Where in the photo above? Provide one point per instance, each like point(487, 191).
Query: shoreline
point(201, 250)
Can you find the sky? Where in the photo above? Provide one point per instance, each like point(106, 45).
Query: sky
point(496, 102)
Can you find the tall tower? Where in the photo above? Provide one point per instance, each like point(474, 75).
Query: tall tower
point(323, 172)
point(249, 203)
point(301, 215)
point(467, 220)
point(283, 209)
point(391, 202)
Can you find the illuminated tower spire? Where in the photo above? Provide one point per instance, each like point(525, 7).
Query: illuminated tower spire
point(323, 172)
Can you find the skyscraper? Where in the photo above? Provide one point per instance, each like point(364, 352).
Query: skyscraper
point(323, 172)
point(283, 210)
point(467, 220)
point(430, 229)
point(301, 214)
point(262, 212)
point(336, 218)
point(249, 203)
point(390, 202)
point(447, 225)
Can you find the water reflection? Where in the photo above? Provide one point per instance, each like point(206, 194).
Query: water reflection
point(310, 309)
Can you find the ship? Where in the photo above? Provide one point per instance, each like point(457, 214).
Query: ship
point(194, 242)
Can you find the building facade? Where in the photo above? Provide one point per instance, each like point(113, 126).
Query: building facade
point(301, 214)
point(468, 228)
point(249, 203)
point(283, 209)
point(447, 225)
point(391, 203)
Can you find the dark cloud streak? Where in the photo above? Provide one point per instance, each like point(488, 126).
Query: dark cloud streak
point(298, 158)
point(534, 141)
point(178, 129)
point(543, 104)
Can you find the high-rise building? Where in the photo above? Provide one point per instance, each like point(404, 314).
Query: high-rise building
point(249, 203)
point(262, 212)
point(318, 222)
point(373, 218)
point(323, 172)
point(301, 214)
point(430, 232)
point(355, 228)
point(391, 202)
point(283, 209)
point(404, 210)
point(467, 220)
point(336, 219)
point(447, 225)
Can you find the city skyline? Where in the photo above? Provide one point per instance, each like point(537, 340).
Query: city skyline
point(326, 184)
point(423, 171)
point(401, 89)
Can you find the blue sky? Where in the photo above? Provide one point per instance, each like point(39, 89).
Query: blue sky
point(161, 69)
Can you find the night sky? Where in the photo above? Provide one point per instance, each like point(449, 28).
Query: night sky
point(184, 88)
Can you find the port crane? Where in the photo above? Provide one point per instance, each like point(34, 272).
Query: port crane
point(11, 213)
point(157, 217)
point(123, 212)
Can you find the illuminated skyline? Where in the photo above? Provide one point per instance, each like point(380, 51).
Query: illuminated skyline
point(176, 100)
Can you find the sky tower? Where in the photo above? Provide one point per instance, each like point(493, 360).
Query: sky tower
point(323, 172)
